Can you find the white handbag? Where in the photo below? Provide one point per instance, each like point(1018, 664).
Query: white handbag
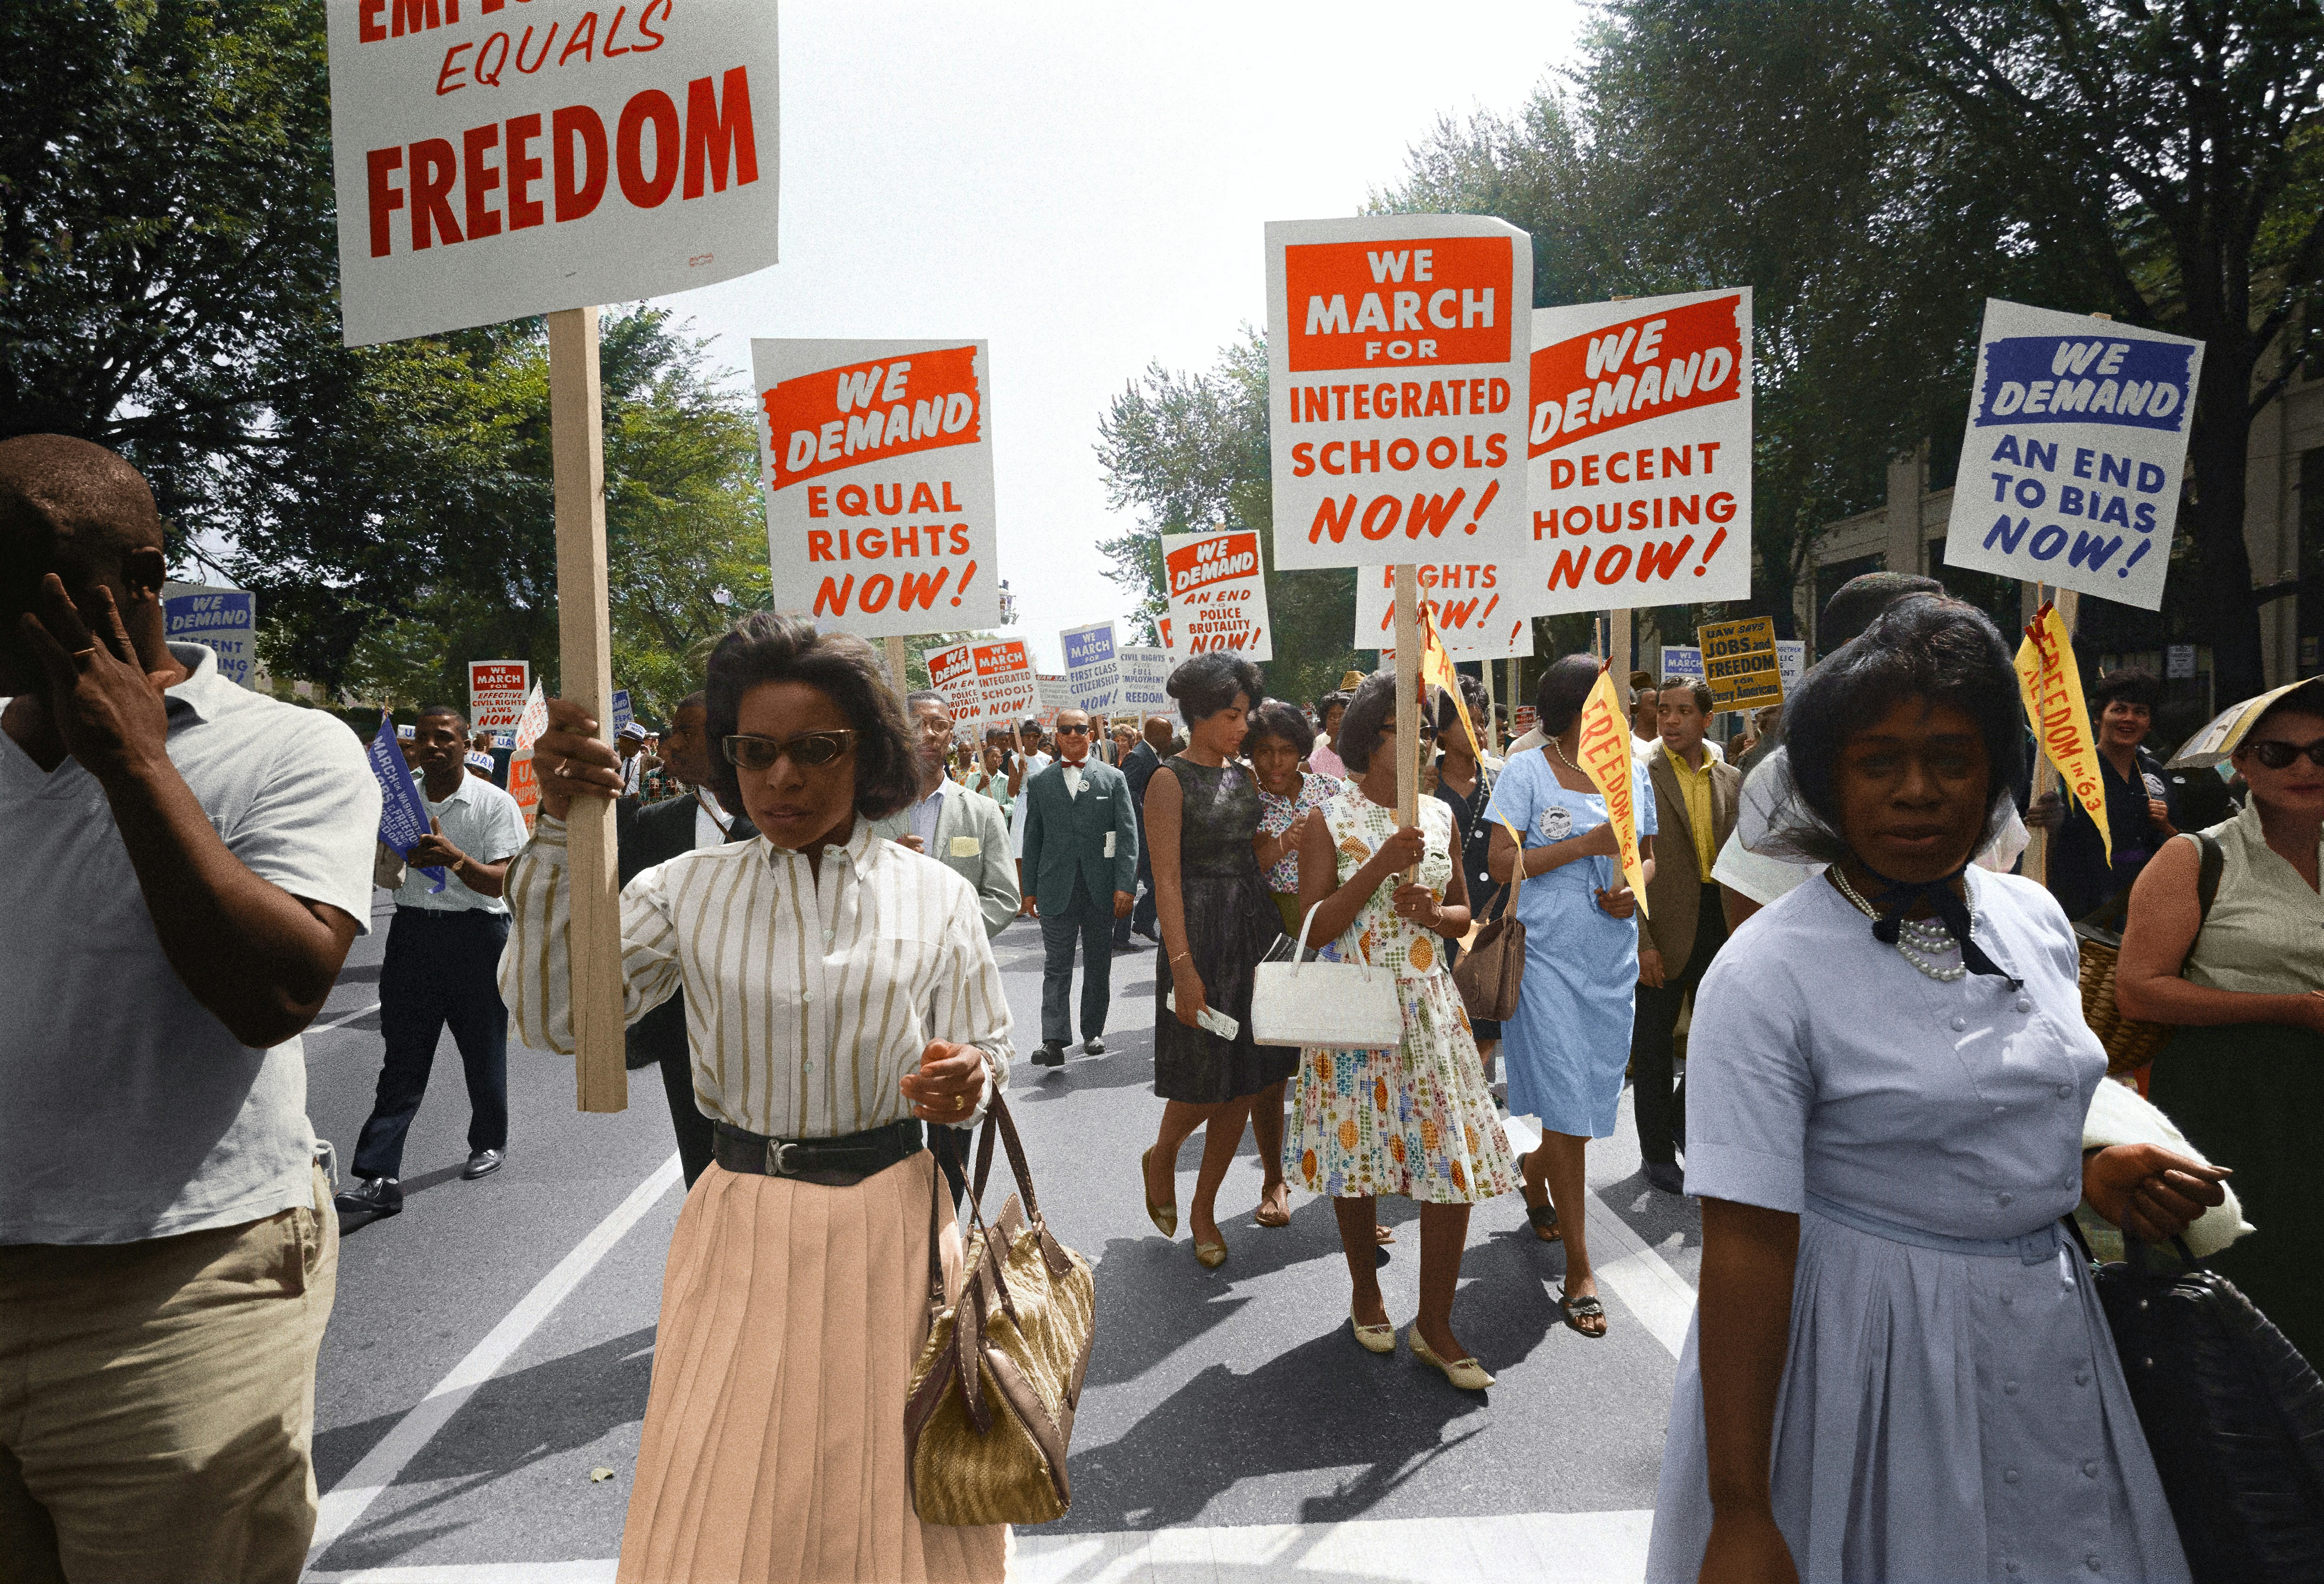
point(1341, 1005)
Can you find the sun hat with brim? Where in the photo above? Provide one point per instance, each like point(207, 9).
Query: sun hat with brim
point(2215, 742)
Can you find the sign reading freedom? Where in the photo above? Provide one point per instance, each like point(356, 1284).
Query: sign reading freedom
point(494, 161)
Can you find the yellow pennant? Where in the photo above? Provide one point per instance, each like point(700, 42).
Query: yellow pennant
point(2052, 686)
point(1605, 758)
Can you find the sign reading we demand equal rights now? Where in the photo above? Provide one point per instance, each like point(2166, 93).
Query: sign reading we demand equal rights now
point(877, 461)
point(495, 160)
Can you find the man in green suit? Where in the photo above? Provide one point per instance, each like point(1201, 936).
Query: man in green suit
point(965, 831)
point(1080, 854)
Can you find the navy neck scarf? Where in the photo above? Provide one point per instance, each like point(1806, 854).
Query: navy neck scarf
point(1898, 898)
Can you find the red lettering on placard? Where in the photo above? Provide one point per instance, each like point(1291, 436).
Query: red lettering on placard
point(1373, 304)
point(1625, 374)
point(841, 418)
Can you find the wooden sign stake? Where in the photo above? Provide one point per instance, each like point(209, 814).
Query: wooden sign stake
point(1618, 658)
point(896, 672)
point(2045, 774)
point(585, 648)
point(1407, 698)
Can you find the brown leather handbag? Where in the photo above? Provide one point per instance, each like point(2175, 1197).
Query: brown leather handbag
point(991, 1408)
point(1491, 968)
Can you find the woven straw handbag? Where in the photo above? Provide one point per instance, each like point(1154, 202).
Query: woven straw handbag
point(2130, 1043)
point(991, 1408)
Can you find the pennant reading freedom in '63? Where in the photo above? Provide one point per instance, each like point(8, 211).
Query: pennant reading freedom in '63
point(877, 460)
point(2049, 681)
point(2075, 454)
point(494, 161)
point(1396, 349)
point(1639, 441)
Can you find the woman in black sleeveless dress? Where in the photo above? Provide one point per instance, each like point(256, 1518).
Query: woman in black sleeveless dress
point(1217, 920)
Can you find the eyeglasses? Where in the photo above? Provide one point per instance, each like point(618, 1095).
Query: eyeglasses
point(808, 751)
point(935, 728)
point(2277, 755)
point(1073, 730)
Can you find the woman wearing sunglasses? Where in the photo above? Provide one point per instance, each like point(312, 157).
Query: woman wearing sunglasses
point(839, 993)
point(2243, 1077)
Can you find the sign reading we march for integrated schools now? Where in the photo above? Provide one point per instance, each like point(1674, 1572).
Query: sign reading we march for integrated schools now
point(877, 461)
point(1470, 602)
point(1639, 441)
point(2075, 453)
point(495, 160)
point(1397, 351)
point(1218, 593)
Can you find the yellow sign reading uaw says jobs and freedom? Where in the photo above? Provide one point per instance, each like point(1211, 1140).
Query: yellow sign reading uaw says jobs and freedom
point(1738, 662)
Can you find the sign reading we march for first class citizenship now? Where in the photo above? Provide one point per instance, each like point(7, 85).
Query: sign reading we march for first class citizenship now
point(877, 461)
point(2075, 454)
point(1397, 350)
point(495, 160)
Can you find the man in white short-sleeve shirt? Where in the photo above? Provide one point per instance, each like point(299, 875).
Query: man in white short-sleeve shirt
point(187, 864)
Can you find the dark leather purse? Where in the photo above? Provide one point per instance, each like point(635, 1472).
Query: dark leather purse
point(2232, 1415)
point(1492, 968)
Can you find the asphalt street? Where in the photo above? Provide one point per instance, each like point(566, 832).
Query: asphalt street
point(489, 1354)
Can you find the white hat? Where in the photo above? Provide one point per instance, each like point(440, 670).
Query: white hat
point(406, 733)
point(480, 761)
point(632, 731)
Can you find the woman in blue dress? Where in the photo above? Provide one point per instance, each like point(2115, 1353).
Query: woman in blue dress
point(1899, 1369)
point(1567, 1048)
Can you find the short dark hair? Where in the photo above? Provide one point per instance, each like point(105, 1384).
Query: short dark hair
point(1854, 603)
point(442, 709)
point(1208, 684)
point(921, 695)
point(1564, 688)
point(2307, 699)
point(1370, 712)
point(1929, 647)
point(1705, 701)
point(696, 700)
point(2131, 684)
point(1324, 705)
point(764, 648)
point(1275, 718)
point(1473, 694)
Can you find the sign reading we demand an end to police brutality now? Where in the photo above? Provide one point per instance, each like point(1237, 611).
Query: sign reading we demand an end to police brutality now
point(2075, 453)
point(1639, 441)
point(1218, 593)
point(1396, 349)
point(877, 460)
point(495, 159)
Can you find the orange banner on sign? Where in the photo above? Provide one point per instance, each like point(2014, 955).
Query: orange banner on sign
point(2050, 684)
point(1605, 758)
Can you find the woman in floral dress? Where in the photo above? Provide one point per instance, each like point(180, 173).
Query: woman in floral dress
point(1415, 1119)
point(1281, 738)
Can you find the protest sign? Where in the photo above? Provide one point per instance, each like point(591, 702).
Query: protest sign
point(402, 817)
point(1681, 660)
point(1091, 676)
point(2049, 681)
point(474, 186)
point(1145, 680)
point(1397, 351)
point(622, 715)
point(1738, 662)
point(224, 620)
point(1218, 593)
point(1638, 442)
point(523, 785)
point(2075, 453)
point(1470, 603)
point(1791, 662)
point(877, 460)
point(496, 693)
point(1050, 688)
point(1604, 756)
point(952, 671)
point(1522, 719)
point(987, 684)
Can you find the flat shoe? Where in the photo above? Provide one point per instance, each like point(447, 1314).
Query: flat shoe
point(1165, 1217)
point(1465, 1373)
point(1585, 1307)
point(1211, 1255)
point(1374, 1338)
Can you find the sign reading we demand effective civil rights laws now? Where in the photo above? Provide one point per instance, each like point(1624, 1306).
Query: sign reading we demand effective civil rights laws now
point(2075, 453)
point(1396, 349)
point(877, 461)
point(1639, 446)
point(495, 160)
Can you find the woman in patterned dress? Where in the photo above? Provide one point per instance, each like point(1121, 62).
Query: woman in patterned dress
point(1290, 799)
point(1415, 1119)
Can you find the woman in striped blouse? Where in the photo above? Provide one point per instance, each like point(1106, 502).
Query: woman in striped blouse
point(836, 988)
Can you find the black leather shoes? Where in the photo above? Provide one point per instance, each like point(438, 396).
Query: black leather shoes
point(1669, 1178)
point(1049, 1055)
point(484, 1163)
point(369, 1196)
point(1092, 1048)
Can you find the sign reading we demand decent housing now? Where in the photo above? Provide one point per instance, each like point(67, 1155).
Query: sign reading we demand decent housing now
point(496, 160)
point(877, 461)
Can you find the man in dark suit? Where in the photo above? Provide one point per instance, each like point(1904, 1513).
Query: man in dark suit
point(654, 835)
point(1081, 859)
point(1137, 767)
point(1683, 926)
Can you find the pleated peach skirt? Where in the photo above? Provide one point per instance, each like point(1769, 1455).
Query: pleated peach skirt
point(774, 1449)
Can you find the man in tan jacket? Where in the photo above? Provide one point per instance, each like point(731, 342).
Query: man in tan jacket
point(1684, 926)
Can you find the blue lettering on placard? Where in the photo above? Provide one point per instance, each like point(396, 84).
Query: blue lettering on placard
point(403, 817)
point(2086, 380)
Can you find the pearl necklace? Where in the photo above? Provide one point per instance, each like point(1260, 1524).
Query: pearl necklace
point(1916, 936)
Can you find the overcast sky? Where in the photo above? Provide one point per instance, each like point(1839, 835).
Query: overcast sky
point(1084, 186)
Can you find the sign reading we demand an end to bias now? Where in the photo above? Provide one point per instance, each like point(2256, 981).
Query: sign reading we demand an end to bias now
point(2075, 453)
point(1396, 349)
point(877, 461)
point(1638, 439)
point(1218, 593)
point(495, 159)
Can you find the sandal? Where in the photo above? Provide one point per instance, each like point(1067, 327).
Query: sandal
point(1264, 1217)
point(1583, 1309)
point(1543, 1217)
point(1382, 1234)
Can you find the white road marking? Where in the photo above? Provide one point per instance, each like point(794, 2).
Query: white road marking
point(1640, 1277)
point(341, 1022)
point(348, 1500)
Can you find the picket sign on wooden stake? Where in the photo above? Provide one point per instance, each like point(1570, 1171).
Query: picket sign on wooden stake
point(1617, 656)
point(1407, 699)
point(894, 646)
point(2045, 773)
point(586, 649)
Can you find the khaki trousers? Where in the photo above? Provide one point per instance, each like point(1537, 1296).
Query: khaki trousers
point(157, 1402)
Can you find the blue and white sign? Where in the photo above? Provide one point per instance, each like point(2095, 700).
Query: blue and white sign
point(621, 714)
point(1092, 675)
point(2076, 453)
point(403, 817)
point(1681, 660)
point(1145, 680)
point(224, 620)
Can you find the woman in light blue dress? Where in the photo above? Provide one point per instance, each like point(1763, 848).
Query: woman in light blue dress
point(1567, 1048)
point(1899, 1369)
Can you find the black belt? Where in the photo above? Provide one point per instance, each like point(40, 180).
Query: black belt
point(832, 1163)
